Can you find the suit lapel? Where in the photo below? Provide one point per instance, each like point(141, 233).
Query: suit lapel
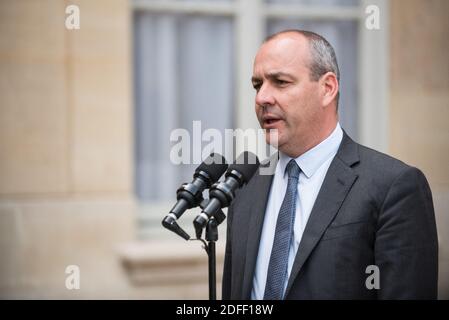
point(257, 214)
point(336, 185)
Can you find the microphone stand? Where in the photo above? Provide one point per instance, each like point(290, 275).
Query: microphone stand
point(210, 248)
point(211, 238)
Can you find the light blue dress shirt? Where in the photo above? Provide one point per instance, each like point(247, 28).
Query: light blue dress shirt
point(314, 165)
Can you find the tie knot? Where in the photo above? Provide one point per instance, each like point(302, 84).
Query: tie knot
point(293, 169)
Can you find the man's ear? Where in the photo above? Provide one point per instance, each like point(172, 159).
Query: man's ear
point(330, 87)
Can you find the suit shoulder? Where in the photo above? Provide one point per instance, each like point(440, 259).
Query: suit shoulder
point(382, 170)
point(381, 162)
point(379, 174)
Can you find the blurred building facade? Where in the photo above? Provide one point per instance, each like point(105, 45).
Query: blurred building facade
point(69, 125)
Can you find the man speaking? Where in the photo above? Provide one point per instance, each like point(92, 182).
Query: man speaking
point(334, 212)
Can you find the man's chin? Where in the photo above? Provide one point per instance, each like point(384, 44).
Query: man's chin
point(273, 137)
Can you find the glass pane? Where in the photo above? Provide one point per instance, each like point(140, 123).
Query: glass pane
point(342, 35)
point(183, 72)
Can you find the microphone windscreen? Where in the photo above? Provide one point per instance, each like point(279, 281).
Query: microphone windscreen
point(247, 164)
point(214, 165)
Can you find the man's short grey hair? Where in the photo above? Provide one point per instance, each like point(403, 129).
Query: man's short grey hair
point(323, 58)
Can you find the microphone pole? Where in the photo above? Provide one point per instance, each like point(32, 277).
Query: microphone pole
point(210, 247)
point(212, 237)
point(221, 195)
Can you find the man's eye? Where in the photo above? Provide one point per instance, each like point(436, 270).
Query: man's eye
point(280, 82)
point(256, 86)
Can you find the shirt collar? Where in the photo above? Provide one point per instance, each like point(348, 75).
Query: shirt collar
point(310, 161)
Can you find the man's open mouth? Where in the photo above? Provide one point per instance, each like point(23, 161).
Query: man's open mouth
point(271, 122)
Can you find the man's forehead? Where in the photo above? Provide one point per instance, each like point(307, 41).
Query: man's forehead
point(282, 53)
point(285, 41)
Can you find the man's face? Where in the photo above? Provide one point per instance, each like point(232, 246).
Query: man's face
point(286, 98)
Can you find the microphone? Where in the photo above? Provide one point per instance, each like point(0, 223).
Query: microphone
point(190, 195)
point(221, 194)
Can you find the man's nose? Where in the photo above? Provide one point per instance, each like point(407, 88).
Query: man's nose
point(264, 96)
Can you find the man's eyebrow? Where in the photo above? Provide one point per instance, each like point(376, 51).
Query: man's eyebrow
point(273, 75)
point(279, 74)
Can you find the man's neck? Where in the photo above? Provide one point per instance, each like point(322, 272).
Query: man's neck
point(315, 140)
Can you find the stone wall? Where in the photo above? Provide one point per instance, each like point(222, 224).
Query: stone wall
point(419, 103)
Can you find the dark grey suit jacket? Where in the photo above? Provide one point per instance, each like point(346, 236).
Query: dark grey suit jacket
point(371, 210)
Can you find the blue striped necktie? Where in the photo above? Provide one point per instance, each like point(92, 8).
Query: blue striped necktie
point(277, 268)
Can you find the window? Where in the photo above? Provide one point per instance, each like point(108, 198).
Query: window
point(182, 74)
point(193, 61)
